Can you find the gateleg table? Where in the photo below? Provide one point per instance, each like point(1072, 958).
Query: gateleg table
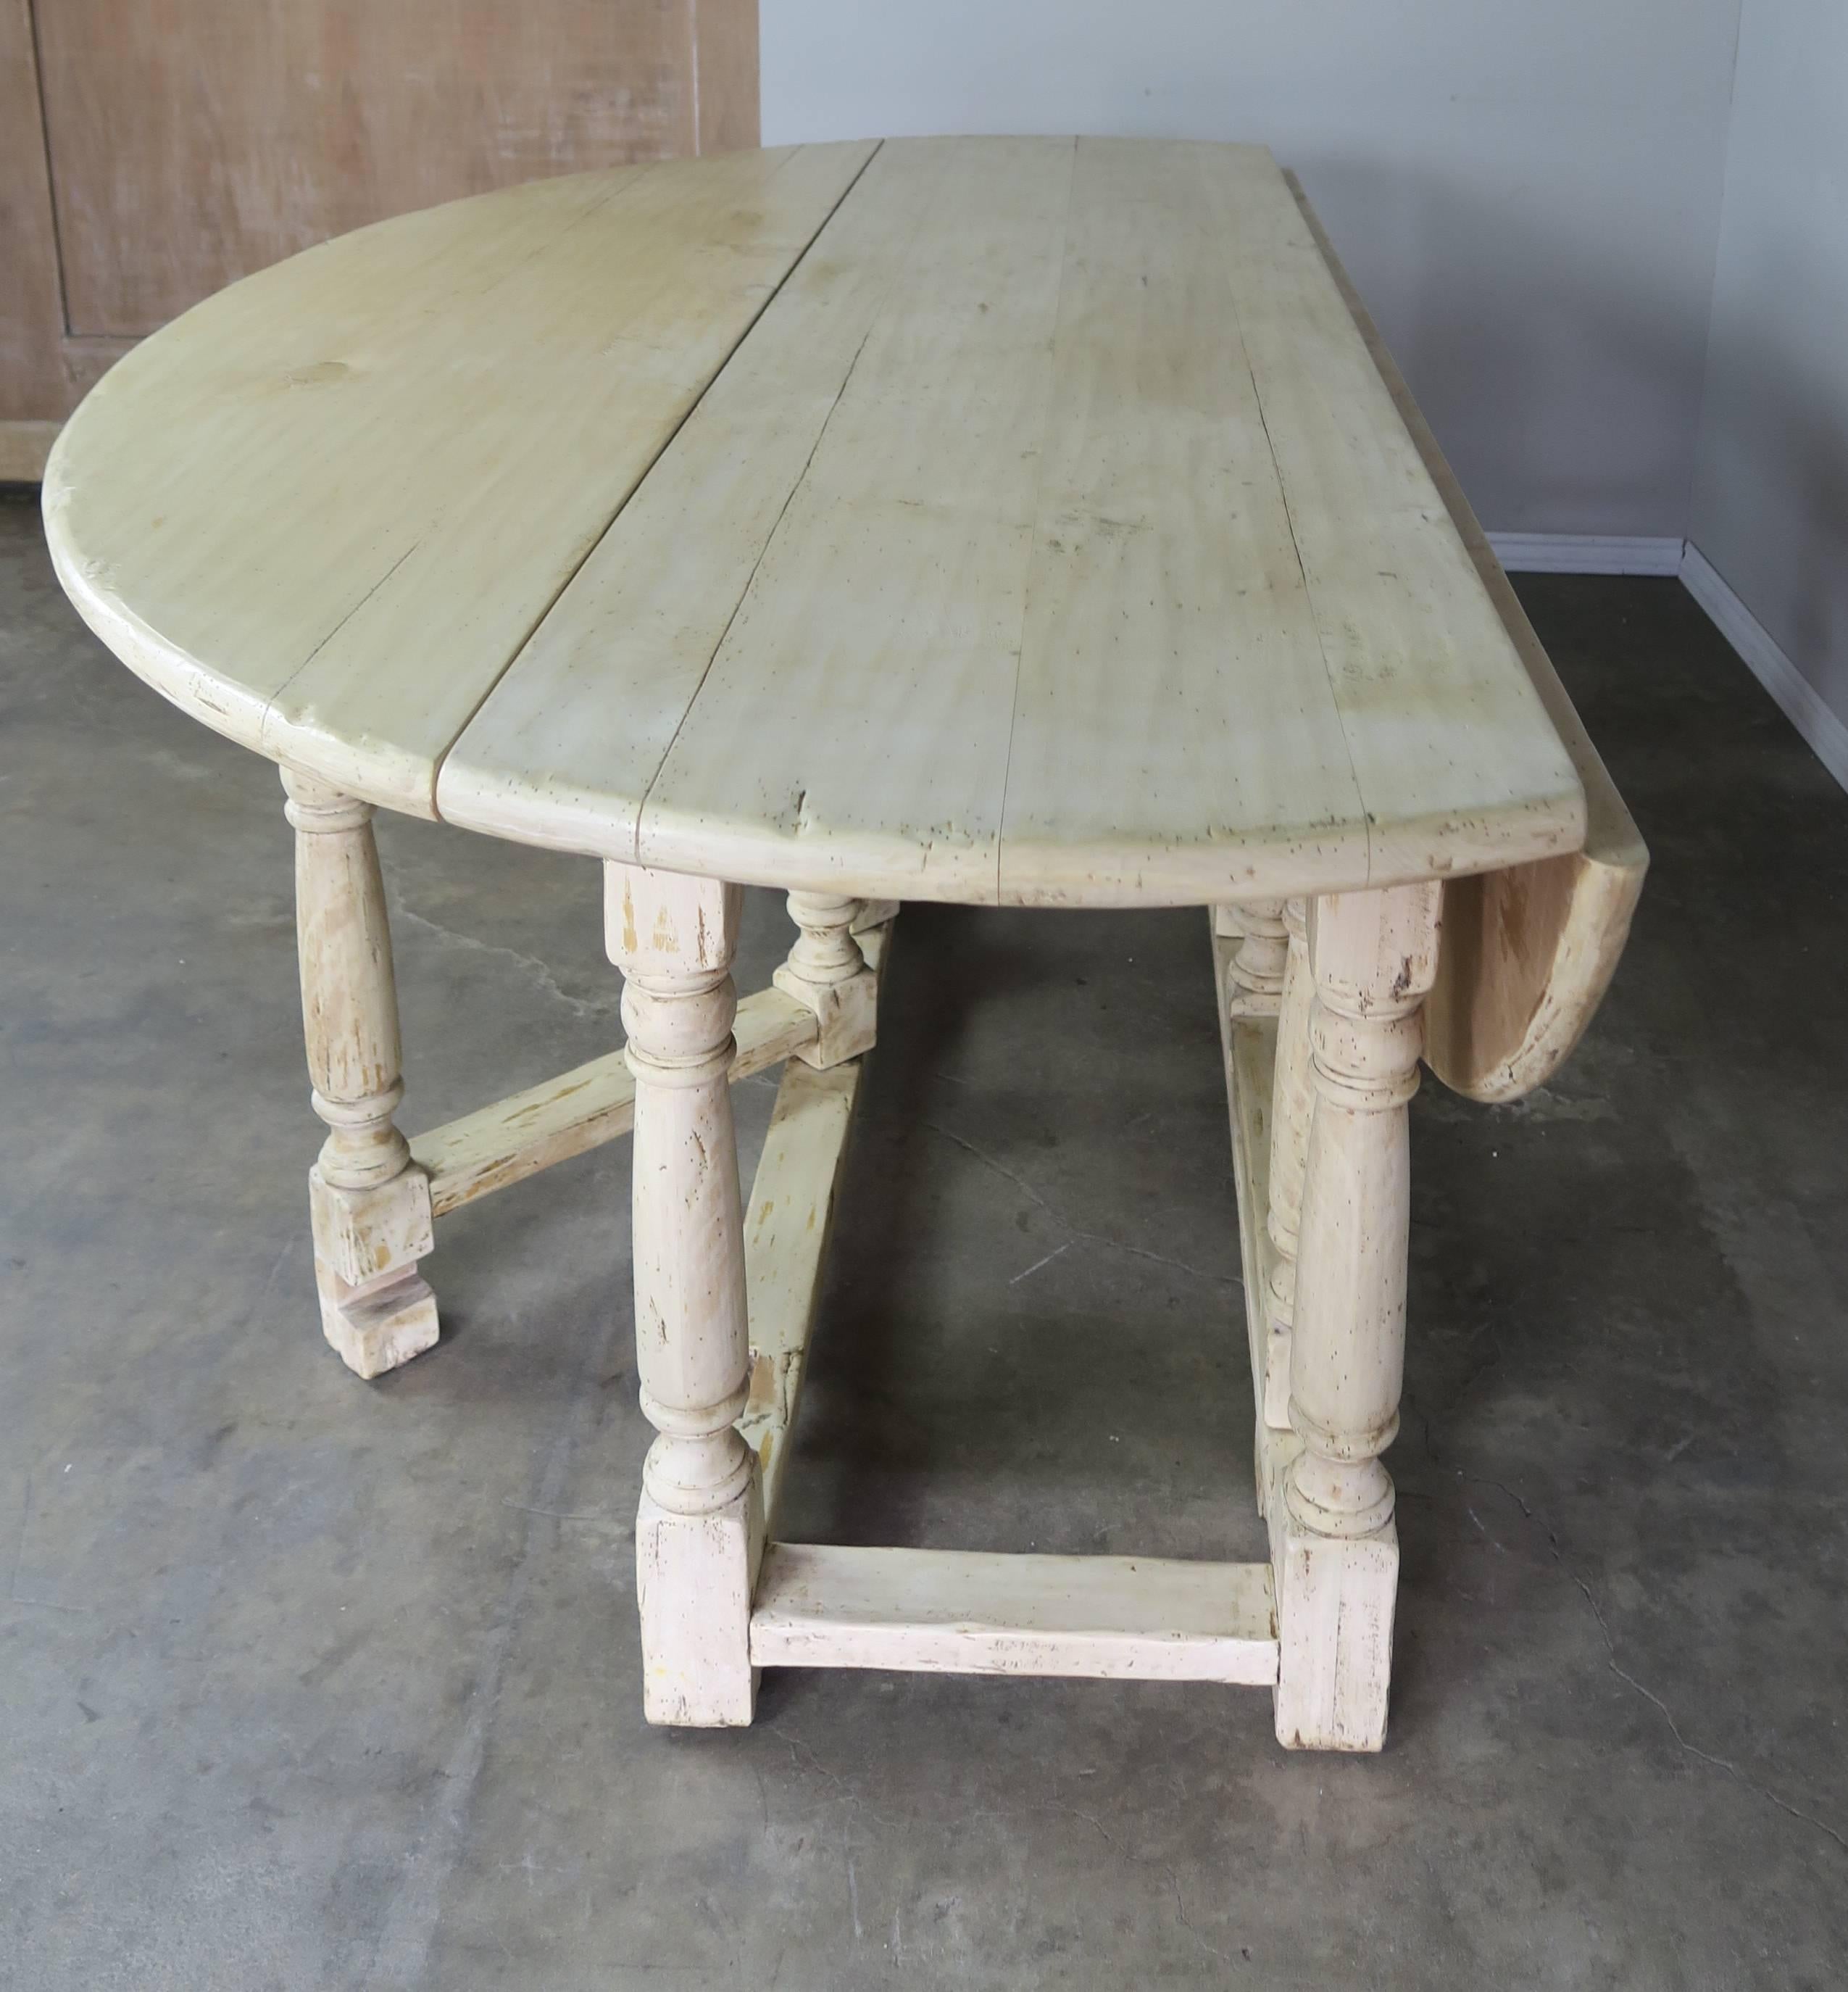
point(1025, 522)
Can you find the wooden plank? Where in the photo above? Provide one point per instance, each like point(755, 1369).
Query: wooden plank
point(592, 1104)
point(958, 1612)
point(909, 520)
point(1458, 764)
point(1527, 952)
point(31, 309)
point(788, 1223)
point(1249, 1048)
point(851, 734)
point(462, 399)
point(198, 140)
point(725, 84)
point(562, 753)
point(1173, 720)
point(788, 1218)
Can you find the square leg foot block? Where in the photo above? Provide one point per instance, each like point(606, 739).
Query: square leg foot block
point(1335, 1602)
point(380, 1328)
point(694, 1577)
point(364, 1234)
point(848, 1013)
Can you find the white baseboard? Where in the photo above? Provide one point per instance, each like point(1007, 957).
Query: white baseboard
point(1801, 702)
point(1822, 728)
point(1585, 553)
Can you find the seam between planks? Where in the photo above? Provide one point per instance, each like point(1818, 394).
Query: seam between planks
point(743, 593)
point(577, 220)
point(667, 442)
point(877, 320)
point(1283, 490)
point(1039, 486)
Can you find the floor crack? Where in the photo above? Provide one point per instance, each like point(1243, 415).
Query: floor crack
point(1636, 1686)
point(579, 1006)
point(803, 1755)
point(1001, 1168)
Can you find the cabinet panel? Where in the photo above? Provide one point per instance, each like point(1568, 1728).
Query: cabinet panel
point(193, 141)
point(31, 382)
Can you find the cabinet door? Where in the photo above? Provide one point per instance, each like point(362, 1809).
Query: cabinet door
point(191, 141)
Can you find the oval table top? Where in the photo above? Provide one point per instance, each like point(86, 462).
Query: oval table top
point(981, 519)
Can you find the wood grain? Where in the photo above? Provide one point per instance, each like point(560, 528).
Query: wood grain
point(195, 142)
point(851, 733)
point(1529, 950)
point(1051, 536)
point(1172, 716)
point(1004, 597)
point(455, 404)
point(725, 87)
point(563, 751)
point(963, 1611)
point(788, 1218)
point(1459, 769)
point(33, 388)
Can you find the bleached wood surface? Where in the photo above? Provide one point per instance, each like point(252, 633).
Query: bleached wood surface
point(788, 1221)
point(699, 1530)
point(1336, 1597)
point(961, 1611)
point(1529, 950)
point(369, 1208)
point(322, 511)
point(1050, 537)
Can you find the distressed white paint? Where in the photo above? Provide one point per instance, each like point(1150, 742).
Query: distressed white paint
point(699, 1531)
point(967, 1613)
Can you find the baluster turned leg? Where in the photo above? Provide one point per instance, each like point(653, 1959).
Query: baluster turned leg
point(1256, 973)
point(699, 1533)
point(1373, 955)
point(827, 973)
point(1290, 1093)
point(370, 1205)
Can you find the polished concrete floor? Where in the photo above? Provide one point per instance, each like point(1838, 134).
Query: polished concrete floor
point(309, 1683)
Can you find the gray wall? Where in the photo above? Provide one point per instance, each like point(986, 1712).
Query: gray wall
point(1771, 495)
point(1528, 195)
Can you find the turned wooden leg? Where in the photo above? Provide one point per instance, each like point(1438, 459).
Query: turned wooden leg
point(1254, 975)
point(1372, 956)
point(1290, 1096)
point(699, 1533)
point(368, 1204)
point(827, 973)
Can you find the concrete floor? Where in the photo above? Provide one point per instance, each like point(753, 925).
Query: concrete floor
point(307, 1683)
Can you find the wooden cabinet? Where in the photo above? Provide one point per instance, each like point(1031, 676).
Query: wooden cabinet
point(152, 150)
